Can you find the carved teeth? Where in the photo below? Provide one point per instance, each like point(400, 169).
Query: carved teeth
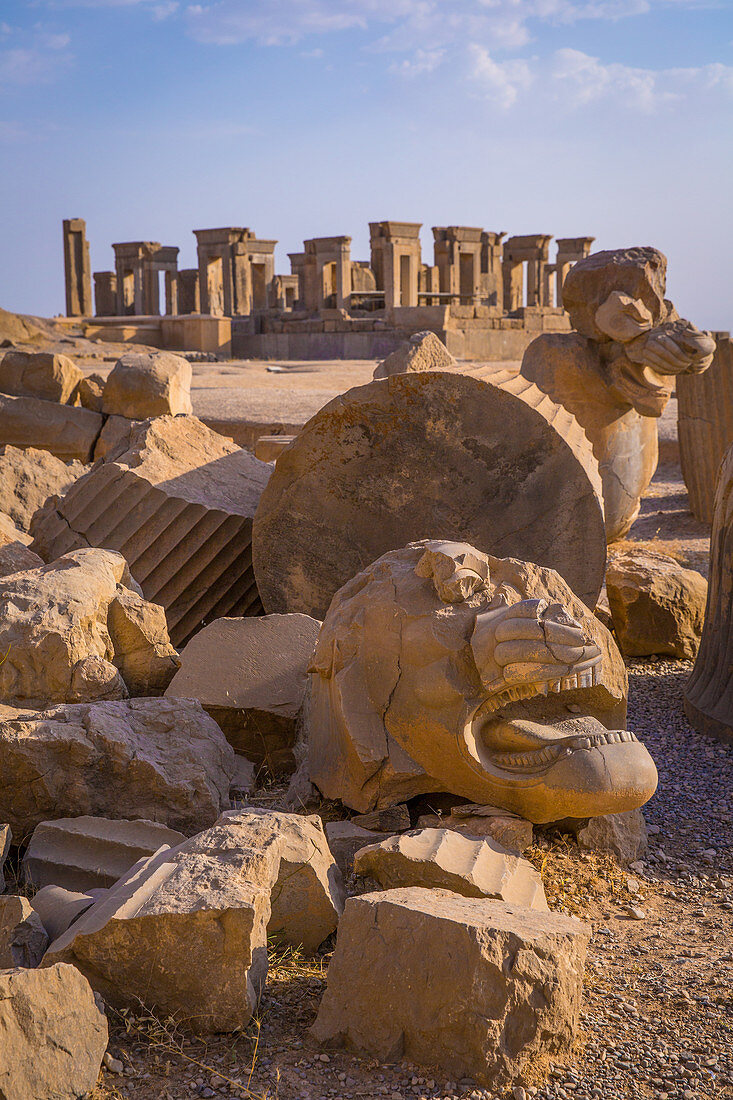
point(554, 751)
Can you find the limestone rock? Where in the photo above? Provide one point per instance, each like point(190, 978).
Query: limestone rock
point(158, 759)
point(506, 470)
point(445, 859)
point(114, 438)
point(15, 557)
point(623, 834)
point(143, 653)
point(657, 605)
point(184, 931)
point(432, 977)
point(307, 894)
point(54, 1036)
point(144, 384)
point(87, 853)
point(23, 938)
point(505, 690)
point(39, 374)
point(345, 839)
point(65, 430)
point(243, 782)
point(58, 908)
point(67, 627)
point(10, 533)
point(509, 830)
point(250, 675)
point(705, 426)
point(387, 819)
point(90, 391)
point(28, 478)
point(179, 505)
point(6, 835)
point(423, 351)
point(269, 447)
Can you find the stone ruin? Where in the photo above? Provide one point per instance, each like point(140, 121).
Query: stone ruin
point(428, 553)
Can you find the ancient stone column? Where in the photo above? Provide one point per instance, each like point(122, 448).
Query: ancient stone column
point(709, 691)
point(105, 293)
point(705, 426)
point(77, 268)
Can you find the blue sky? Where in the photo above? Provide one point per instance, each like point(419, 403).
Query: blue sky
point(304, 118)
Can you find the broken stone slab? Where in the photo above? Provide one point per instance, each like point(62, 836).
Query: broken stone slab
point(71, 627)
point(383, 464)
point(442, 669)
point(250, 675)
point(114, 438)
point(179, 505)
point(83, 853)
point(623, 834)
point(658, 606)
point(23, 938)
point(145, 384)
point(512, 832)
point(10, 533)
point(482, 989)
point(28, 478)
point(6, 835)
point(445, 859)
point(161, 760)
point(65, 430)
point(90, 392)
point(54, 1035)
point(185, 931)
point(345, 839)
point(58, 908)
point(142, 649)
point(15, 557)
point(39, 374)
point(307, 894)
point(423, 351)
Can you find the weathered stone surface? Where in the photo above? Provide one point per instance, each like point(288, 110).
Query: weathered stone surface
point(114, 438)
point(307, 893)
point(39, 374)
point(28, 478)
point(179, 505)
point(615, 372)
point(159, 759)
point(58, 908)
point(23, 938)
point(423, 351)
point(15, 557)
point(90, 391)
point(504, 690)
point(511, 831)
point(657, 605)
point(10, 533)
point(64, 430)
point(67, 627)
point(144, 384)
point(623, 834)
point(268, 448)
point(505, 469)
point(250, 675)
point(445, 859)
point(705, 426)
point(432, 977)
point(6, 835)
point(87, 853)
point(345, 839)
point(143, 652)
point(184, 931)
point(386, 819)
point(709, 691)
point(54, 1036)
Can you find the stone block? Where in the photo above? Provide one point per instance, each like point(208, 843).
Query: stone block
point(87, 853)
point(28, 478)
point(54, 1036)
point(345, 839)
point(65, 430)
point(162, 760)
point(23, 938)
point(624, 835)
point(40, 374)
point(58, 908)
point(250, 675)
point(423, 351)
point(15, 557)
point(146, 384)
point(656, 604)
point(143, 652)
point(445, 859)
point(484, 990)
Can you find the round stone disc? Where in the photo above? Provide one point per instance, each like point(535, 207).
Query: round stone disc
point(432, 455)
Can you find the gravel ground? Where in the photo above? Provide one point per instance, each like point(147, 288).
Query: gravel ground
point(658, 1011)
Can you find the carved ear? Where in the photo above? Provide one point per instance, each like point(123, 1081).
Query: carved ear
point(456, 570)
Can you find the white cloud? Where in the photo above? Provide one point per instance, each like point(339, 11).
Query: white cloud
point(502, 81)
point(33, 58)
point(422, 61)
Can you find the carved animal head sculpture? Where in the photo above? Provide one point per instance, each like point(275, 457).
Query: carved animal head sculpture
point(440, 668)
point(616, 298)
